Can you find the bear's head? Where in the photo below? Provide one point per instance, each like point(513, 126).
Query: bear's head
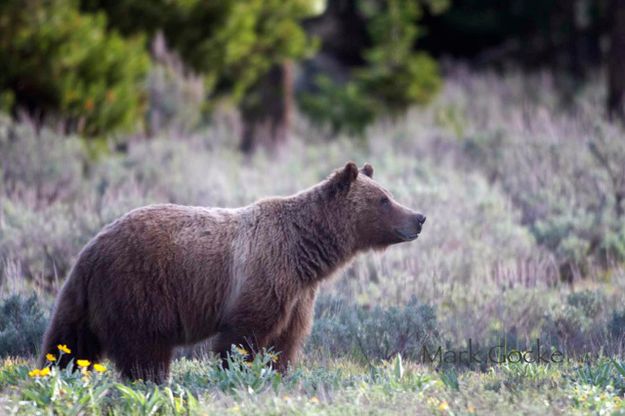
point(376, 219)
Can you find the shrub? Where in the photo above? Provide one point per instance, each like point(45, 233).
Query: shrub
point(573, 326)
point(42, 167)
point(175, 95)
point(22, 324)
point(616, 325)
point(589, 301)
point(66, 65)
point(373, 333)
point(563, 171)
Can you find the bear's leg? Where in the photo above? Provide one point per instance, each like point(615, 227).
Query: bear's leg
point(72, 331)
point(290, 341)
point(144, 361)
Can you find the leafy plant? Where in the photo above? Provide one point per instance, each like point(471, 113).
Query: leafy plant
point(449, 377)
point(245, 371)
point(603, 373)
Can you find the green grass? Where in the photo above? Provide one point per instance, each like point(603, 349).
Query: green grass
point(343, 387)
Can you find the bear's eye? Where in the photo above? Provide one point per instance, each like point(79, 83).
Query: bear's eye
point(384, 200)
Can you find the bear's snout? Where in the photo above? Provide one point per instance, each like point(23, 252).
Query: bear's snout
point(420, 219)
point(411, 225)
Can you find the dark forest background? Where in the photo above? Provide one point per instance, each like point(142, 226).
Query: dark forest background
point(87, 67)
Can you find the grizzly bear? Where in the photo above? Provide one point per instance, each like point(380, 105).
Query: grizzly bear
point(168, 275)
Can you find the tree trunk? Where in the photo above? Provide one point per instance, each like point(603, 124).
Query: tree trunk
point(267, 110)
point(616, 61)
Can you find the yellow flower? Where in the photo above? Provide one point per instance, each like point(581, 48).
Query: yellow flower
point(274, 357)
point(99, 368)
point(443, 406)
point(50, 357)
point(242, 351)
point(83, 363)
point(63, 348)
point(471, 408)
point(314, 400)
point(39, 373)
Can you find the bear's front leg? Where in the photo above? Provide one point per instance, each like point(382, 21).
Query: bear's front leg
point(289, 343)
point(248, 327)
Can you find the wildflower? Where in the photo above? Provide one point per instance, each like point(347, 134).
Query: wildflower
point(274, 357)
point(314, 400)
point(99, 368)
point(83, 363)
point(39, 372)
point(63, 348)
point(242, 351)
point(50, 357)
point(471, 408)
point(443, 406)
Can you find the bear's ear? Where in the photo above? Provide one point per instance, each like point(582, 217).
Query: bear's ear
point(367, 169)
point(342, 179)
point(349, 173)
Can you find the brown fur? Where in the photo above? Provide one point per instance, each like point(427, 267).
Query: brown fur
point(168, 275)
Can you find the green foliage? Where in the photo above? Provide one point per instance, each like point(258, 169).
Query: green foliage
point(605, 372)
point(449, 377)
point(342, 107)
point(246, 372)
point(233, 43)
point(591, 302)
point(72, 392)
point(162, 401)
point(22, 323)
point(394, 74)
point(66, 66)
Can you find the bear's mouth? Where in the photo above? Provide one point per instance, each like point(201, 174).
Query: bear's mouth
point(407, 236)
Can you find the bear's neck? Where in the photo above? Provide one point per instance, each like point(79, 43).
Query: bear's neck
point(319, 236)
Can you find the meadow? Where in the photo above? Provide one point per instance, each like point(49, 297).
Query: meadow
point(525, 240)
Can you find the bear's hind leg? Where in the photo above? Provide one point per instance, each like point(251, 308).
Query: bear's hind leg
point(76, 335)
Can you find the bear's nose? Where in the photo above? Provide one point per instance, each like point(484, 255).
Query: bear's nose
point(421, 219)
